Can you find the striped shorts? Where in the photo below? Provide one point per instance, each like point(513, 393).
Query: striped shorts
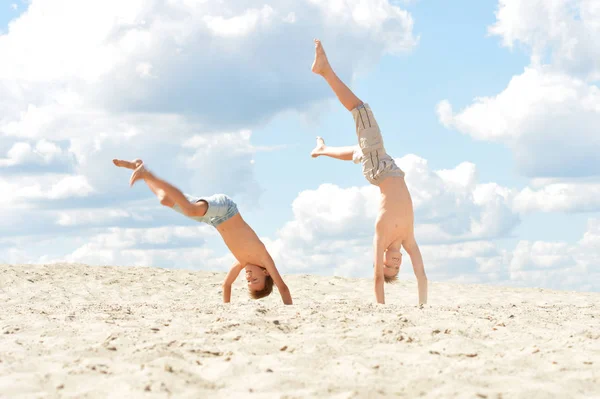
point(370, 153)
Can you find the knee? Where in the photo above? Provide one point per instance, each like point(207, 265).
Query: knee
point(188, 210)
point(167, 202)
point(164, 200)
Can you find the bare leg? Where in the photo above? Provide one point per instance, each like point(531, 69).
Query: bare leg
point(321, 67)
point(343, 153)
point(171, 193)
point(133, 165)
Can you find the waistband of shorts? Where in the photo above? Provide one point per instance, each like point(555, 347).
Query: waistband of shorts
point(231, 212)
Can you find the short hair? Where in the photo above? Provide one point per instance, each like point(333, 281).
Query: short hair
point(390, 279)
point(266, 291)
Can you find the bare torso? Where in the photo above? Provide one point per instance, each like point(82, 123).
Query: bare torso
point(242, 241)
point(395, 222)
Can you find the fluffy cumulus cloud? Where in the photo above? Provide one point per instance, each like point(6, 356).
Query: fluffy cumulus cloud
point(43, 152)
point(455, 216)
point(559, 195)
point(561, 32)
point(204, 59)
point(547, 118)
point(557, 264)
point(171, 246)
point(178, 83)
point(16, 191)
point(167, 246)
point(546, 115)
point(329, 235)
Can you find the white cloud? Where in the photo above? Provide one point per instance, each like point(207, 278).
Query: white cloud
point(15, 256)
point(70, 186)
point(16, 191)
point(290, 18)
point(205, 60)
point(567, 29)
point(43, 153)
point(450, 205)
point(557, 264)
point(167, 246)
point(329, 229)
point(547, 119)
point(239, 25)
point(162, 80)
point(468, 262)
point(144, 69)
point(548, 114)
point(559, 195)
point(86, 217)
point(382, 20)
point(18, 153)
point(540, 255)
point(458, 223)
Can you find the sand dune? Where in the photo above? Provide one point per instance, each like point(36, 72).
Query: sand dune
point(80, 331)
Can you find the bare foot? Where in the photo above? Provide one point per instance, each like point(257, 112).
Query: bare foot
point(320, 65)
point(126, 164)
point(139, 173)
point(319, 148)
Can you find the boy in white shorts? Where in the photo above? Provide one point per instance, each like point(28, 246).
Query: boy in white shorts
point(220, 212)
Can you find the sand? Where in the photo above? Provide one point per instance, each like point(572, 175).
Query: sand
point(132, 332)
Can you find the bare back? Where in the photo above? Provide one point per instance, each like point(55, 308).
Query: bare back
point(395, 222)
point(242, 241)
point(248, 249)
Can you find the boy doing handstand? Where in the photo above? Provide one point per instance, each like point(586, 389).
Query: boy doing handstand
point(394, 227)
point(222, 213)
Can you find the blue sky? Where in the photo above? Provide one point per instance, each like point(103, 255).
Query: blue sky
point(8, 13)
point(476, 93)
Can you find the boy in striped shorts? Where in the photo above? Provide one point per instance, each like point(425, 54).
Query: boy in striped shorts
point(394, 227)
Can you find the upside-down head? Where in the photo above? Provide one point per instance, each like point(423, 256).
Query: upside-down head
point(392, 259)
point(260, 283)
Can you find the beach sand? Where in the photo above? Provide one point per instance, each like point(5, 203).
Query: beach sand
point(132, 332)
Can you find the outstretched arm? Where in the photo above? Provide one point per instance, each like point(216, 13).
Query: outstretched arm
point(411, 247)
point(284, 291)
point(234, 272)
